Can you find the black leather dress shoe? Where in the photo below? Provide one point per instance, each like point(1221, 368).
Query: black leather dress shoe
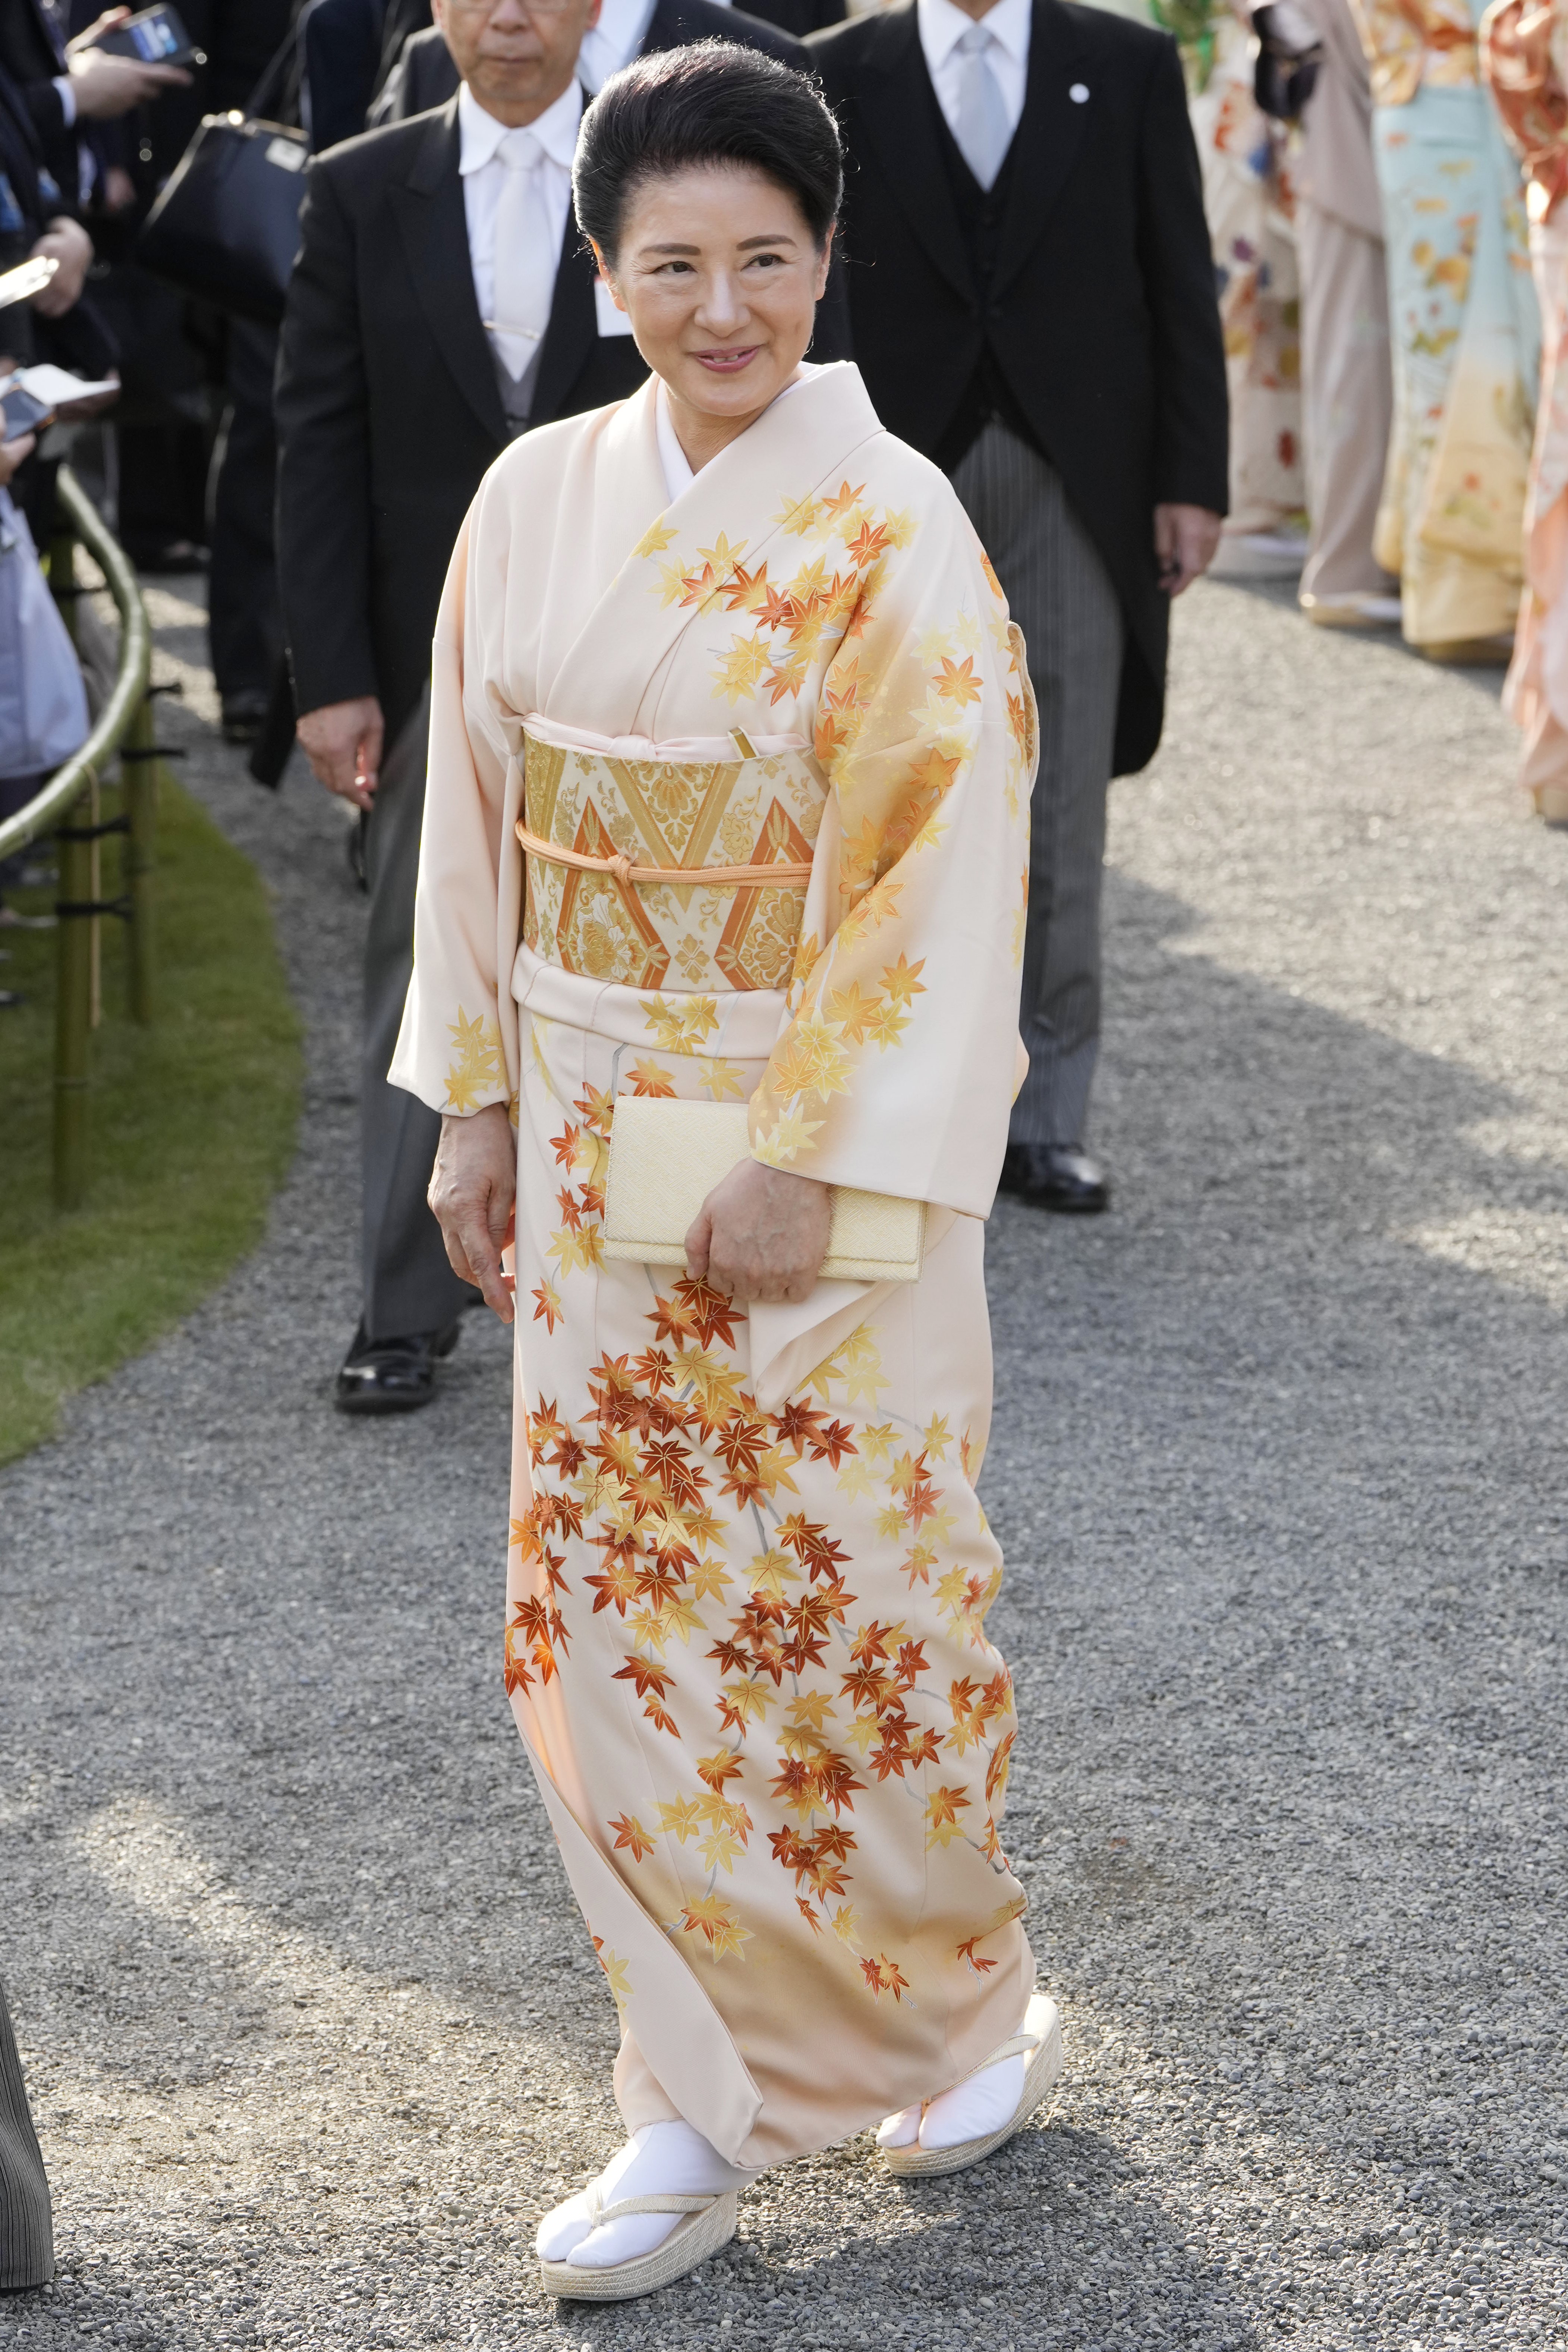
point(1060, 1176)
point(391, 1375)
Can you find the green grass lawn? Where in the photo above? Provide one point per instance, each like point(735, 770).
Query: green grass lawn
point(191, 1125)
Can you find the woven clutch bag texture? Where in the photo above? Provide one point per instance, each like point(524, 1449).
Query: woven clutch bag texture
point(665, 1157)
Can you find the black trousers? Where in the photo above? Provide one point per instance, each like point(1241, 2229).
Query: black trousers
point(244, 628)
point(26, 2223)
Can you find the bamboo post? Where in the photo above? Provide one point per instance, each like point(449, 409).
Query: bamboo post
point(73, 1010)
point(138, 777)
point(74, 939)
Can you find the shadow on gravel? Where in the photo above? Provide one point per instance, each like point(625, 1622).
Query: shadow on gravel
point(1485, 677)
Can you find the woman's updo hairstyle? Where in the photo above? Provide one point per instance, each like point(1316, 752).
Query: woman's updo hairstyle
point(713, 102)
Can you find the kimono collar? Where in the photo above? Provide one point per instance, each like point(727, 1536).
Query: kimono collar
point(729, 514)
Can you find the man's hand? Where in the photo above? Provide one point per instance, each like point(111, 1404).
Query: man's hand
point(66, 241)
point(106, 87)
point(472, 1188)
point(761, 1234)
point(343, 743)
point(1184, 542)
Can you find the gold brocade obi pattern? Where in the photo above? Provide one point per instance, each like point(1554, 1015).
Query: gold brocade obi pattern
point(761, 810)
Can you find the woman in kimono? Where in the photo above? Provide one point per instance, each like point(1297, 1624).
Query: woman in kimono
point(731, 751)
point(1465, 327)
point(1524, 54)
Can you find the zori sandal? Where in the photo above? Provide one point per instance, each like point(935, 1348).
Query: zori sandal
point(1040, 2041)
point(710, 2223)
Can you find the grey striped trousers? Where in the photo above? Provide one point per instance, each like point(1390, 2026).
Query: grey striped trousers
point(1061, 595)
point(27, 2229)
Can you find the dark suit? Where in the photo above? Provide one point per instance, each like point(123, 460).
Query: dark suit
point(389, 414)
point(1052, 341)
point(1101, 313)
point(425, 75)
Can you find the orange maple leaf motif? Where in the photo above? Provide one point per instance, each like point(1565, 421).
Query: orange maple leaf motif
point(549, 1308)
point(967, 1953)
point(565, 1144)
point(957, 683)
point(884, 1975)
point(717, 1770)
point(633, 1835)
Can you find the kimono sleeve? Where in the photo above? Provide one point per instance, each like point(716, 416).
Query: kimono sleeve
point(896, 1068)
point(456, 1049)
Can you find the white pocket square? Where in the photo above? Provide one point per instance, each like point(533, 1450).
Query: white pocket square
point(611, 321)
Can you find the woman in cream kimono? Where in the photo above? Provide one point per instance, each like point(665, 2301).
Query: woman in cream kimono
point(732, 629)
point(1465, 331)
point(1524, 54)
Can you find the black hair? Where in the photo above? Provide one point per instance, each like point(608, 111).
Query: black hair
point(712, 102)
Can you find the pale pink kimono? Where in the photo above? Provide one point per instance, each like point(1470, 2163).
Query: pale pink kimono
point(750, 1571)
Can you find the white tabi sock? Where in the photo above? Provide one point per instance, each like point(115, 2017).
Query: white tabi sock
point(972, 2109)
point(659, 2160)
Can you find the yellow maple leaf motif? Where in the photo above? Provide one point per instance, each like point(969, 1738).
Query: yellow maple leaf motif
point(647, 1628)
point(719, 1848)
point(942, 1809)
point(683, 1819)
point(771, 1571)
point(678, 1027)
point(708, 1580)
point(615, 1969)
point(967, 629)
point(811, 1707)
point(581, 1249)
point(900, 526)
point(722, 556)
point(742, 669)
point(476, 1065)
point(855, 1479)
point(723, 1079)
point(901, 979)
point(796, 516)
point(786, 1140)
point(655, 539)
point(672, 582)
point(811, 1060)
point(891, 1521)
point(747, 1698)
point(846, 1924)
point(862, 1731)
point(717, 1924)
point(956, 683)
point(938, 1438)
point(681, 1617)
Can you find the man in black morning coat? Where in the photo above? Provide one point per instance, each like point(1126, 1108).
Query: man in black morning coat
point(392, 400)
point(1032, 303)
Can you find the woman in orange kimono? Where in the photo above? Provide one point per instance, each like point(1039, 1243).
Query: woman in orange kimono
point(1524, 54)
point(733, 628)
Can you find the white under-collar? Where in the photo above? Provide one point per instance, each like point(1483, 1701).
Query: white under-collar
point(679, 472)
point(481, 135)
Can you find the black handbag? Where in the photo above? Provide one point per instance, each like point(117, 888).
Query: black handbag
point(225, 227)
point(1283, 78)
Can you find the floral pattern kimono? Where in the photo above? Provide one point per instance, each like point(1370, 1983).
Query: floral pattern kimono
point(1248, 196)
point(750, 1573)
point(1465, 326)
point(1524, 54)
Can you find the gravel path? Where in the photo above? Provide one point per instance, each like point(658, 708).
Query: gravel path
point(310, 2028)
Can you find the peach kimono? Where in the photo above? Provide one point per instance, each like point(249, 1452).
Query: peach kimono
point(749, 1573)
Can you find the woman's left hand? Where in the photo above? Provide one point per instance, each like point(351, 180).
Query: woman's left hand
point(761, 1234)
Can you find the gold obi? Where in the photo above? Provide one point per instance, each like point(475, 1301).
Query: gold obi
point(759, 807)
point(1414, 44)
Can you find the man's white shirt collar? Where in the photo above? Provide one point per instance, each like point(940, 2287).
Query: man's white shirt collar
point(614, 41)
point(556, 129)
point(942, 26)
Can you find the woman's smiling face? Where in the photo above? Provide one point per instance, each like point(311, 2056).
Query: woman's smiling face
point(717, 271)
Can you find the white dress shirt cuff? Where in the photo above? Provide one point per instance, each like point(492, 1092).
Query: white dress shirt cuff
point(67, 99)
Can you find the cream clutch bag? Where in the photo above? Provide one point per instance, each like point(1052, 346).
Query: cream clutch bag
point(665, 1157)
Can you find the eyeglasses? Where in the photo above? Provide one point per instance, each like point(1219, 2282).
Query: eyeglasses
point(542, 8)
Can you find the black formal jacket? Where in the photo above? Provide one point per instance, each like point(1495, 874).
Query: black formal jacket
point(1102, 317)
point(388, 407)
point(425, 75)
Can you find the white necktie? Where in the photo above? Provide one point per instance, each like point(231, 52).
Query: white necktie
point(982, 130)
point(526, 256)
